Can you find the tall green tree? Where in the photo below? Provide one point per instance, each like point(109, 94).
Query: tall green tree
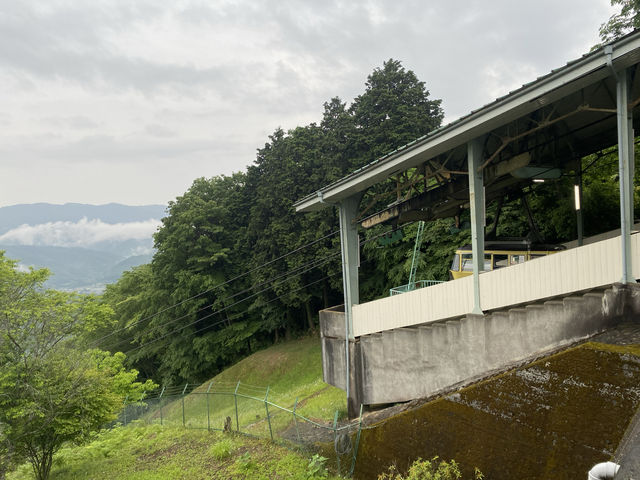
point(279, 176)
point(621, 23)
point(183, 327)
point(394, 110)
point(52, 390)
point(134, 300)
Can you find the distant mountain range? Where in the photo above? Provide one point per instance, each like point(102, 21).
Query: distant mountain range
point(84, 246)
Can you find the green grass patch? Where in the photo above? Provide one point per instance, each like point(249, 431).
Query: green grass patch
point(151, 452)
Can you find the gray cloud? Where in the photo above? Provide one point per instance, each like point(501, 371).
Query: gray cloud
point(79, 122)
point(84, 233)
point(117, 88)
point(159, 131)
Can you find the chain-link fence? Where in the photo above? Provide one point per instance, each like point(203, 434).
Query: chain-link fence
point(247, 409)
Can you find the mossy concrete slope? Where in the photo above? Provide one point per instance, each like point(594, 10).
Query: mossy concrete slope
point(553, 418)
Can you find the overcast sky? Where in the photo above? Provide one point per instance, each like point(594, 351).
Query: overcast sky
point(130, 101)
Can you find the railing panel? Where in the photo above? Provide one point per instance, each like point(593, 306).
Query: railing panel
point(590, 266)
point(411, 308)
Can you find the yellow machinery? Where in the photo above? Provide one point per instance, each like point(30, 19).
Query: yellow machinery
point(499, 254)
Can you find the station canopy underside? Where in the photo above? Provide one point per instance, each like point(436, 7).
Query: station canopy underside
point(540, 131)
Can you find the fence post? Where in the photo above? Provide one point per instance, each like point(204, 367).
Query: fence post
point(335, 437)
point(160, 400)
point(295, 419)
point(235, 397)
point(139, 407)
point(125, 409)
point(266, 407)
point(183, 391)
point(208, 415)
point(355, 450)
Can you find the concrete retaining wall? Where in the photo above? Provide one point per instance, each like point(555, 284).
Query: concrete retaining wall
point(408, 363)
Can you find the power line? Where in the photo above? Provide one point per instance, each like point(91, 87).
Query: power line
point(149, 317)
point(220, 321)
point(317, 263)
point(110, 334)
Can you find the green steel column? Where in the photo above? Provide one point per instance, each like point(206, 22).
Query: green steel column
point(266, 408)
point(626, 167)
point(160, 400)
point(183, 392)
point(476, 202)
point(348, 209)
point(350, 248)
point(295, 419)
point(235, 397)
point(208, 413)
point(577, 192)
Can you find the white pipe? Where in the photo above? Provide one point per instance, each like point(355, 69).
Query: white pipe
point(604, 471)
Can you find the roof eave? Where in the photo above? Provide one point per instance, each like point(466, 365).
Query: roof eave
point(586, 70)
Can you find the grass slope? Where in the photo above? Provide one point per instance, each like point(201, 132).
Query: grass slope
point(142, 452)
point(153, 452)
point(291, 370)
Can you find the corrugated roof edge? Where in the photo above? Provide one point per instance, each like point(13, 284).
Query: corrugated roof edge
point(420, 140)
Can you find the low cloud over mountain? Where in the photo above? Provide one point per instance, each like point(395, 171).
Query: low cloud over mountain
point(83, 233)
point(84, 246)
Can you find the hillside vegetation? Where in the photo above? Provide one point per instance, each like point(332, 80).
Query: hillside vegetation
point(235, 267)
point(153, 452)
point(143, 451)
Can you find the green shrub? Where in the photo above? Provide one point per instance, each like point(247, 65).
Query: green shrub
point(222, 449)
point(433, 469)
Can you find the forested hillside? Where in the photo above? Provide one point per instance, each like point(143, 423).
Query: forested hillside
point(236, 268)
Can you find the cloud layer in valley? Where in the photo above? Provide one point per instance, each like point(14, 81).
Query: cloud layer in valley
point(84, 233)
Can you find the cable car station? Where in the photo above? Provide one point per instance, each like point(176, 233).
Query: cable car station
point(428, 340)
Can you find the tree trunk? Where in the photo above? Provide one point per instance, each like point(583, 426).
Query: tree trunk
point(287, 331)
point(325, 293)
point(307, 306)
point(47, 462)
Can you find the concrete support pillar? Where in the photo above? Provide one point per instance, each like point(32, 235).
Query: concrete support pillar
point(476, 202)
point(626, 168)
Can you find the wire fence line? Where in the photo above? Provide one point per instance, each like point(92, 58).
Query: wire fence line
point(247, 409)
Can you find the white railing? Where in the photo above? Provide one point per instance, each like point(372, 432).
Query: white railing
point(413, 286)
point(582, 268)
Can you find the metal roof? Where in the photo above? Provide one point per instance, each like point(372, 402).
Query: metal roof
point(545, 90)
